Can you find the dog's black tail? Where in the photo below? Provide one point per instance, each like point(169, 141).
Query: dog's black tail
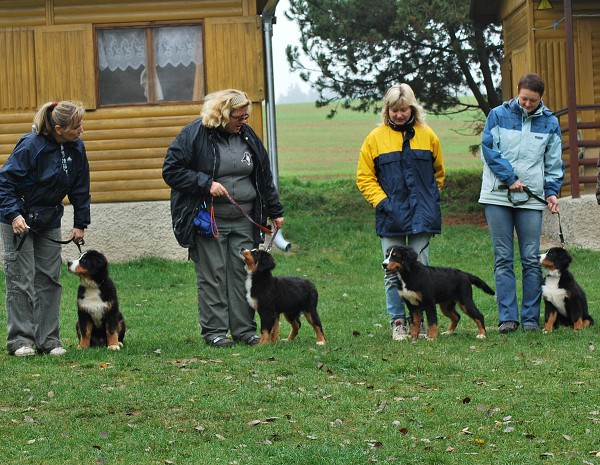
point(480, 284)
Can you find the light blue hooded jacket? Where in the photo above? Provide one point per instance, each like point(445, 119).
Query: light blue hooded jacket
point(516, 145)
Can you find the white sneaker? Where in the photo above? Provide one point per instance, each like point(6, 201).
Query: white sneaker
point(24, 351)
point(399, 330)
point(58, 351)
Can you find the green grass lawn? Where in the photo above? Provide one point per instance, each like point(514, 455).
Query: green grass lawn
point(166, 398)
point(310, 145)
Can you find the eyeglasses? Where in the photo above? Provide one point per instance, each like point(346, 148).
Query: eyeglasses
point(240, 119)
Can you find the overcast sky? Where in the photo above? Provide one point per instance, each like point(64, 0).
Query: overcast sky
point(284, 33)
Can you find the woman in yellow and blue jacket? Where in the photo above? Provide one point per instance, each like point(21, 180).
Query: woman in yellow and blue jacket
point(400, 173)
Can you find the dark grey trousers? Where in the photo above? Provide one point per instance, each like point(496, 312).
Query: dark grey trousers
point(221, 281)
point(33, 290)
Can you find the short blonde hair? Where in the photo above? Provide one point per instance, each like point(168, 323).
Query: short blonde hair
point(66, 114)
point(398, 96)
point(219, 105)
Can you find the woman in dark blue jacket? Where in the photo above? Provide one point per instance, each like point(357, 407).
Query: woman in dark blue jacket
point(45, 166)
point(212, 158)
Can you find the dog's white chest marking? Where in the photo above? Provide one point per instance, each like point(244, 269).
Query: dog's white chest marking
point(553, 294)
point(251, 301)
point(410, 296)
point(93, 304)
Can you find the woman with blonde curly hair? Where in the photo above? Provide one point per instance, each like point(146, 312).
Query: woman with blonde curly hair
point(215, 158)
point(400, 172)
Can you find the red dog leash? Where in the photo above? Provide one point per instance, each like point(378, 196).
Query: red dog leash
point(260, 226)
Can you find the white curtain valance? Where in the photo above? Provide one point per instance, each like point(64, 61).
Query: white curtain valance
point(124, 48)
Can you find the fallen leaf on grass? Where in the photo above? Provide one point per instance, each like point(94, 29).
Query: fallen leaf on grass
point(262, 422)
point(374, 444)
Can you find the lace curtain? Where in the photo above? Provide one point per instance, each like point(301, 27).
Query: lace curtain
point(126, 47)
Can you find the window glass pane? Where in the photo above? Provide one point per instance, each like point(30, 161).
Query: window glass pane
point(178, 60)
point(122, 65)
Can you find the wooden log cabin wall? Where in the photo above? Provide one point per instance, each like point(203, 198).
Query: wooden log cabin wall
point(141, 68)
point(535, 41)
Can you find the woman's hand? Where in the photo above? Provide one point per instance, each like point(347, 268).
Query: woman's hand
point(217, 189)
point(76, 235)
point(517, 186)
point(552, 203)
point(278, 222)
point(19, 225)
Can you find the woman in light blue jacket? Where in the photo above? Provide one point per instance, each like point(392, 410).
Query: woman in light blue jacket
point(522, 175)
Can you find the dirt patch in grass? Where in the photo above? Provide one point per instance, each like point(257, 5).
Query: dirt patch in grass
point(476, 219)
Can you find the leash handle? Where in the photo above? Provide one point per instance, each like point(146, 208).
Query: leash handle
point(545, 202)
point(26, 233)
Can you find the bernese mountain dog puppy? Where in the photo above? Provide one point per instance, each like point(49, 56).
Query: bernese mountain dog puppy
point(564, 299)
point(272, 295)
point(100, 322)
point(422, 287)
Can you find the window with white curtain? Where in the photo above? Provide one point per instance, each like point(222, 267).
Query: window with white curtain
point(150, 64)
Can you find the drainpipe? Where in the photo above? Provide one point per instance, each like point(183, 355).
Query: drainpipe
point(268, 16)
point(571, 100)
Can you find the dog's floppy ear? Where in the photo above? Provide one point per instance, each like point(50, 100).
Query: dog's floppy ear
point(409, 258)
point(266, 262)
point(564, 258)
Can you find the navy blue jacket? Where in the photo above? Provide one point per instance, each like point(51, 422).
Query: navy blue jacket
point(37, 176)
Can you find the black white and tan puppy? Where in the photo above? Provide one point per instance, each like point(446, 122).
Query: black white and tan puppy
point(100, 322)
point(272, 295)
point(422, 287)
point(564, 299)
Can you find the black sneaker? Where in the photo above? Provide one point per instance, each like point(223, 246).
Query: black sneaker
point(221, 342)
point(508, 327)
point(252, 340)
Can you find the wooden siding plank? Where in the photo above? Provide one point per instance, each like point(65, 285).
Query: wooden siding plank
point(114, 11)
point(223, 70)
point(550, 64)
point(17, 69)
point(22, 13)
point(76, 76)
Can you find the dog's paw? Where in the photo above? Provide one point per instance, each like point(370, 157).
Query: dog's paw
point(481, 336)
point(320, 343)
point(115, 346)
point(447, 333)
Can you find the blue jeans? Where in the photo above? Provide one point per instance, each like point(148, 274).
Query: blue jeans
point(503, 222)
point(420, 244)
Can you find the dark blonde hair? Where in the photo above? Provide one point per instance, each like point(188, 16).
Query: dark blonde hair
point(219, 105)
point(66, 114)
point(398, 96)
